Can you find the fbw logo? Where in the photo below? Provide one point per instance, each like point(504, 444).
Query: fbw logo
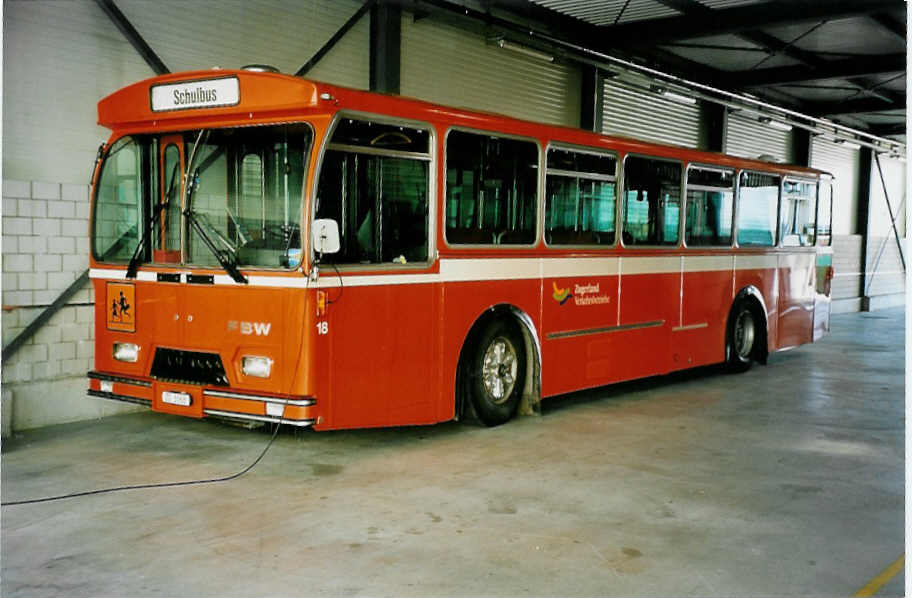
point(257, 328)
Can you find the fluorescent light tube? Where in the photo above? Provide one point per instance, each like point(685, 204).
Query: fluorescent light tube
point(532, 53)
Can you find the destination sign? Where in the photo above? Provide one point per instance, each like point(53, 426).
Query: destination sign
point(208, 93)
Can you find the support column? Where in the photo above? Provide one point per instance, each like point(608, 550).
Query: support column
point(592, 98)
point(385, 42)
point(713, 126)
point(802, 144)
point(865, 163)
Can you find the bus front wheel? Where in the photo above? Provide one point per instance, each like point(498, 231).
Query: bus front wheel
point(743, 334)
point(497, 372)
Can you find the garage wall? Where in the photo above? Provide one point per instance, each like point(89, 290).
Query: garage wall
point(888, 278)
point(631, 110)
point(748, 138)
point(60, 58)
point(843, 163)
point(450, 66)
point(232, 33)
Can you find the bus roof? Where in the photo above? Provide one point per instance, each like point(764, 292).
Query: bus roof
point(219, 97)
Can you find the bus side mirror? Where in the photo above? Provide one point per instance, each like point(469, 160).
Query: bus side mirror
point(325, 235)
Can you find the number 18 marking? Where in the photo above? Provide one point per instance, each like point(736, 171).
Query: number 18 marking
point(323, 327)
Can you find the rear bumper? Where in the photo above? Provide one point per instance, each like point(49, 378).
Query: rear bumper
point(214, 402)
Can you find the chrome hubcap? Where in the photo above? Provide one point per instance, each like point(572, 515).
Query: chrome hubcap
point(498, 371)
point(744, 334)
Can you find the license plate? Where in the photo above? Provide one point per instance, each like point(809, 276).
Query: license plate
point(176, 398)
point(107, 386)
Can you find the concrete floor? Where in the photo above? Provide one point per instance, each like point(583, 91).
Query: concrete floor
point(785, 480)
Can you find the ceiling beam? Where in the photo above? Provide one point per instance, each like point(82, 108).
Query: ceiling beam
point(516, 19)
point(136, 40)
point(774, 45)
point(859, 66)
point(856, 106)
point(884, 130)
point(886, 21)
point(742, 18)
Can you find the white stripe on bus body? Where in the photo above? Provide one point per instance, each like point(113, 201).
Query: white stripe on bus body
point(484, 269)
point(709, 263)
point(756, 262)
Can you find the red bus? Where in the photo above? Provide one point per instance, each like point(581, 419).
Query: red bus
point(274, 249)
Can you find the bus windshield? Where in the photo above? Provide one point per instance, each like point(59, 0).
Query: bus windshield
point(229, 197)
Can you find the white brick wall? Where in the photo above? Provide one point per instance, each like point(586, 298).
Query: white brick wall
point(45, 247)
point(45, 244)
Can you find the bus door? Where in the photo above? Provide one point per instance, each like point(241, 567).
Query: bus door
point(382, 303)
point(162, 303)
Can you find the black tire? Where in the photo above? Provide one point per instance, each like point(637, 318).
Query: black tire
point(743, 337)
point(496, 372)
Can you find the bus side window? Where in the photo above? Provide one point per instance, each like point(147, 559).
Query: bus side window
point(758, 202)
point(652, 201)
point(580, 192)
point(709, 207)
point(491, 190)
point(374, 183)
point(824, 213)
point(797, 218)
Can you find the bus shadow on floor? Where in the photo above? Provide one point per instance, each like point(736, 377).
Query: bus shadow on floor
point(630, 391)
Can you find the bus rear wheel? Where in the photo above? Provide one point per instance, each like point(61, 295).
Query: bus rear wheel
point(497, 372)
point(742, 337)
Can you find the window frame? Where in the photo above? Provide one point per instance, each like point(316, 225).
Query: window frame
point(544, 186)
point(305, 162)
point(155, 139)
point(815, 183)
point(431, 158)
point(147, 144)
point(539, 210)
point(623, 203)
point(775, 244)
point(823, 181)
point(734, 190)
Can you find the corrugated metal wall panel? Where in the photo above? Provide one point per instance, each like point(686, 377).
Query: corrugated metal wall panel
point(61, 58)
point(632, 111)
point(610, 12)
point(749, 138)
point(846, 266)
point(843, 163)
point(450, 66)
point(232, 33)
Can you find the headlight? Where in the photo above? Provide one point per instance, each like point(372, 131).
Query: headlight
point(126, 352)
point(259, 367)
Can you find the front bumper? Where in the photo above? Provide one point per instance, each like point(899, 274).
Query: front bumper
point(205, 401)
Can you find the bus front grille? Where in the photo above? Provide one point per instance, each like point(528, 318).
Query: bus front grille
point(189, 367)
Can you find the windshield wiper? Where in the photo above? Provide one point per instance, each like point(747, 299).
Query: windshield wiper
point(134, 259)
point(229, 265)
point(226, 258)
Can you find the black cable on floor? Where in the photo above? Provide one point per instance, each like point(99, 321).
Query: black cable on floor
point(145, 486)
